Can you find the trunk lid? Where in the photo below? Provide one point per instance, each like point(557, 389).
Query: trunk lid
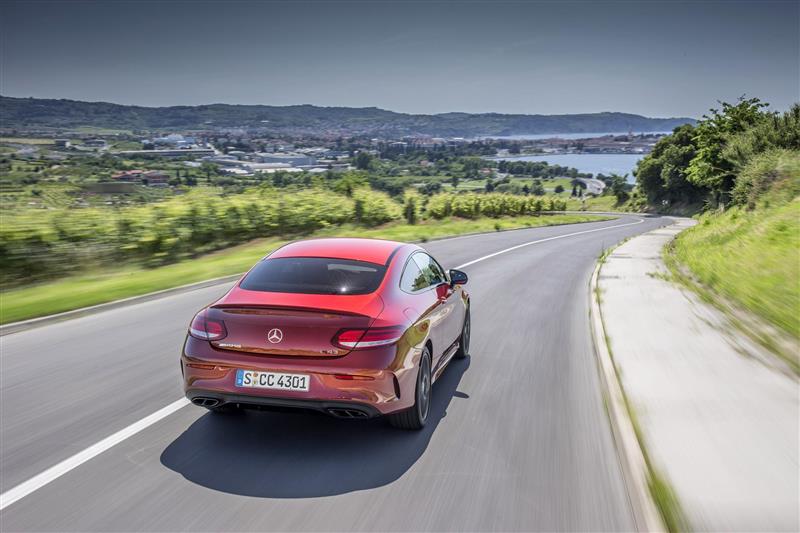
point(290, 324)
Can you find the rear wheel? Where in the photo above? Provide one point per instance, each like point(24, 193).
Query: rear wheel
point(416, 416)
point(463, 340)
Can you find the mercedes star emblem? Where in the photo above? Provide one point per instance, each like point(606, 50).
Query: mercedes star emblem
point(275, 336)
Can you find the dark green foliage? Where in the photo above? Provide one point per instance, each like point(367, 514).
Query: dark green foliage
point(774, 171)
point(709, 168)
point(410, 210)
point(775, 131)
point(619, 188)
point(704, 163)
point(363, 160)
point(537, 188)
point(662, 174)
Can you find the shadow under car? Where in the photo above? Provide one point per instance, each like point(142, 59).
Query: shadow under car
point(303, 454)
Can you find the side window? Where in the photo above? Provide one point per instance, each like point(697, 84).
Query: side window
point(430, 269)
point(413, 279)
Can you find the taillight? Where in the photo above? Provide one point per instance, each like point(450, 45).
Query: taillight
point(207, 329)
point(360, 339)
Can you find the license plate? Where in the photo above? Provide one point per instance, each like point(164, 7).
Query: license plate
point(272, 380)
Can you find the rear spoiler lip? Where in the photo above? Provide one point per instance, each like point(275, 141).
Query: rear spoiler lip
point(289, 308)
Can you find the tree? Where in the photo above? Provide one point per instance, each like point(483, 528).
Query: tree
point(619, 186)
point(489, 186)
point(662, 174)
point(358, 209)
point(708, 168)
point(559, 189)
point(209, 169)
point(410, 210)
point(472, 166)
point(574, 190)
point(454, 181)
point(777, 131)
point(363, 160)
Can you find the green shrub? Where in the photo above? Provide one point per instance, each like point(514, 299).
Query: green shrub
point(48, 243)
point(776, 170)
point(474, 205)
point(376, 207)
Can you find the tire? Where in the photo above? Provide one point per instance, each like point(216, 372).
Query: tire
point(416, 416)
point(463, 340)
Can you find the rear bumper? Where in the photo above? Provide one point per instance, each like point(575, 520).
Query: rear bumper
point(338, 409)
point(370, 382)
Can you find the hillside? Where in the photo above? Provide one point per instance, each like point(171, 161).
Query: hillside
point(35, 113)
point(751, 256)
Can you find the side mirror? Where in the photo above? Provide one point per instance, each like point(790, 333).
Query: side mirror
point(457, 277)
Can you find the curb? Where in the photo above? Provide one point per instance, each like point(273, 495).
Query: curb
point(635, 472)
point(23, 325)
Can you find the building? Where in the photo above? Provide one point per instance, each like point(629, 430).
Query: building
point(154, 178)
point(269, 167)
point(593, 186)
point(62, 143)
point(128, 176)
point(234, 171)
point(174, 139)
point(180, 152)
point(95, 143)
point(292, 159)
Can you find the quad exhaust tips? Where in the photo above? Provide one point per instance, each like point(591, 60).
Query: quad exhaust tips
point(346, 412)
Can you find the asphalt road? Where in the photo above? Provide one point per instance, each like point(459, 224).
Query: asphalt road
point(518, 438)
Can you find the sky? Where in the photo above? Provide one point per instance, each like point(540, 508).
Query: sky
point(655, 58)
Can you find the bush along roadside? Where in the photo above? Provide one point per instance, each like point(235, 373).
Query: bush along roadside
point(41, 244)
point(114, 282)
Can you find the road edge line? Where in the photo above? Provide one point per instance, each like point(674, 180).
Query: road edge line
point(635, 471)
point(38, 481)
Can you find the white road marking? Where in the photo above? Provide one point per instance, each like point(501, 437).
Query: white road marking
point(51, 474)
point(517, 247)
point(54, 472)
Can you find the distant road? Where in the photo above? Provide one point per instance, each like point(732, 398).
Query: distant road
point(518, 437)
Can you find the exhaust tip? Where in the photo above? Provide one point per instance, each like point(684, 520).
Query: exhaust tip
point(347, 413)
point(205, 402)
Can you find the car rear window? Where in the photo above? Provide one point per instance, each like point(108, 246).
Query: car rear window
point(314, 275)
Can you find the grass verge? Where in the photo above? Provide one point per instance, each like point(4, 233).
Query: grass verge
point(116, 283)
point(747, 264)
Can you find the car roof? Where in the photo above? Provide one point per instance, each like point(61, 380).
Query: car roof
point(370, 250)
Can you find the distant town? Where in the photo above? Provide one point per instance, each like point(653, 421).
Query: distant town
point(245, 154)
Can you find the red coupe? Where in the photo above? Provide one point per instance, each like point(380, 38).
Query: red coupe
point(355, 328)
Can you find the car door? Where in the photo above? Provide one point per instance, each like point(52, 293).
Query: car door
point(456, 310)
point(446, 302)
point(427, 306)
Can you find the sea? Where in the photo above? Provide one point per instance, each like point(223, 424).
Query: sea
point(594, 163)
